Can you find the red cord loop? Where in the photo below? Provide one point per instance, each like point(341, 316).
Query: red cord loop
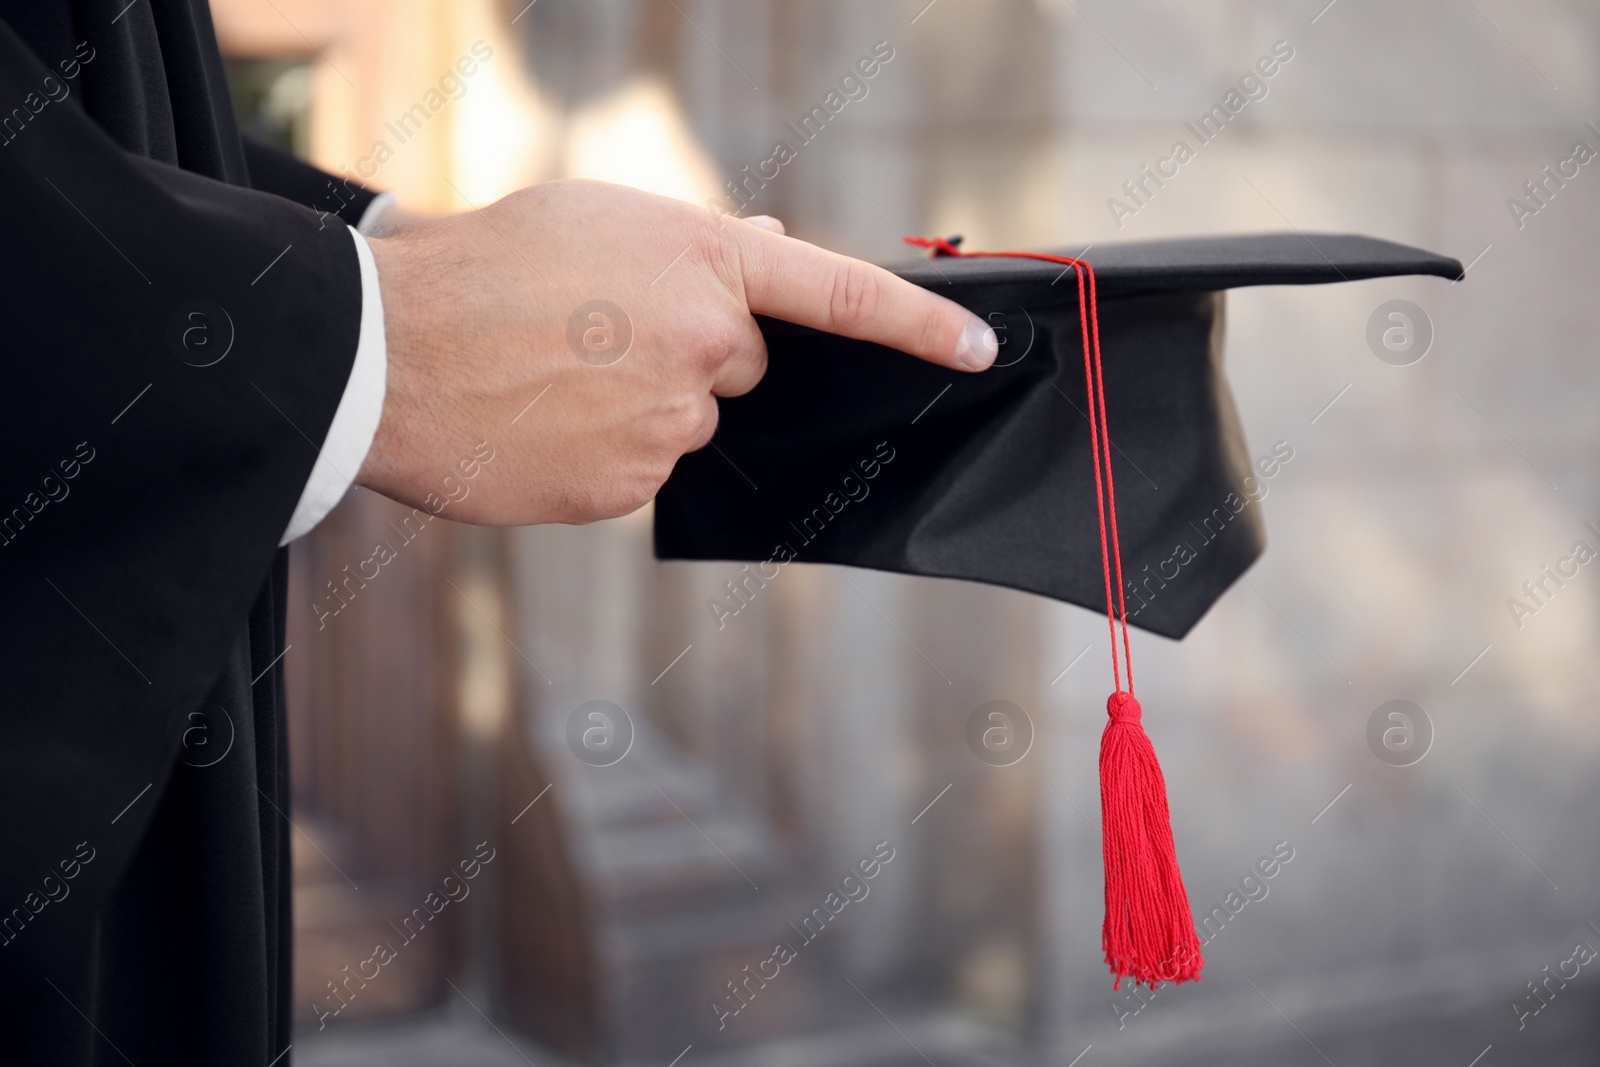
point(1099, 435)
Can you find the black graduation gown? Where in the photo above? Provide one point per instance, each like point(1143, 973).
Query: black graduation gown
point(164, 396)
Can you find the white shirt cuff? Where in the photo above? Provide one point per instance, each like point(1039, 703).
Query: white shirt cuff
point(372, 217)
point(355, 423)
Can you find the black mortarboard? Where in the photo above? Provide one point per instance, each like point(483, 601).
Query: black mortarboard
point(850, 453)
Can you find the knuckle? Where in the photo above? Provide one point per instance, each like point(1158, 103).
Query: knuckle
point(676, 430)
point(710, 413)
point(694, 425)
point(720, 339)
point(758, 371)
point(856, 293)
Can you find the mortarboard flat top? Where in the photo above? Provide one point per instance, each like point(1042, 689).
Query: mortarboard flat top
point(1202, 263)
point(852, 454)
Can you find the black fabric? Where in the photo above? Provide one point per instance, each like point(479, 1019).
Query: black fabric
point(988, 477)
point(144, 903)
point(335, 200)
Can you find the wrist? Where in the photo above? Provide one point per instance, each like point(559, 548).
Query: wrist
point(378, 470)
point(428, 316)
point(386, 217)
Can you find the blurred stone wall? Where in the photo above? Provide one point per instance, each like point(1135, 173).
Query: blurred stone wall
point(1425, 490)
point(1419, 499)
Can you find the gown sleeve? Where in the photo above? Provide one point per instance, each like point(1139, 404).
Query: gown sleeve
point(334, 199)
point(174, 349)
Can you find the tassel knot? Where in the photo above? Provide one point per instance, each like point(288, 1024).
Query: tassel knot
point(1122, 707)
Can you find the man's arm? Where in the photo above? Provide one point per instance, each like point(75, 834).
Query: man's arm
point(462, 327)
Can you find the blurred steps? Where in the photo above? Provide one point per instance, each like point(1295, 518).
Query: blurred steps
point(338, 925)
point(689, 890)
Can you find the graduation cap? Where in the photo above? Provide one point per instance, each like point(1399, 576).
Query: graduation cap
point(1100, 461)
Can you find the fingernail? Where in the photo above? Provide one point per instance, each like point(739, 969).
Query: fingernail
point(765, 222)
point(978, 345)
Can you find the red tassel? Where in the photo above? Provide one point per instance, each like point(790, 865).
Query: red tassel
point(1149, 933)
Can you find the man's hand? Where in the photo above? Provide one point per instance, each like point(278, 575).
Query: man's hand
point(486, 313)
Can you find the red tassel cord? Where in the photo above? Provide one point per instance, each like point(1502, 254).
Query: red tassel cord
point(1149, 933)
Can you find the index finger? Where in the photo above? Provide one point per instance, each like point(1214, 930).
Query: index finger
point(810, 286)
